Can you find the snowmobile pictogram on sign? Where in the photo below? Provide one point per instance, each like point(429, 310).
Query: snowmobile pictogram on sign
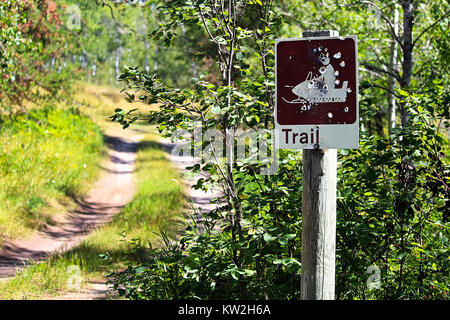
point(320, 89)
point(317, 84)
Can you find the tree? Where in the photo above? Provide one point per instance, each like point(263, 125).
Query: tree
point(251, 246)
point(30, 36)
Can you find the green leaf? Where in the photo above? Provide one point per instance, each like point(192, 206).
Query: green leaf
point(239, 56)
point(403, 93)
point(215, 109)
point(268, 238)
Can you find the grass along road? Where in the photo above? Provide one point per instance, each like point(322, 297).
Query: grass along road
point(157, 203)
point(111, 192)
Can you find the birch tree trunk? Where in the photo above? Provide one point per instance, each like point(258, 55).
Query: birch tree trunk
point(393, 66)
point(117, 57)
point(407, 63)
point(147, 63)
point(94, 69)
point(52, 63)
point(155, 62)
point(143, 32)
point(116, 66)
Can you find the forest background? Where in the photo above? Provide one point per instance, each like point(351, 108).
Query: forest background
point(214, 61)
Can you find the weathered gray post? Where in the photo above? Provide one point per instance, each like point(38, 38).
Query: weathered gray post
point(319, 217)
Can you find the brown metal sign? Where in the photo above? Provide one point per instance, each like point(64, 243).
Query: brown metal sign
point(317, 85)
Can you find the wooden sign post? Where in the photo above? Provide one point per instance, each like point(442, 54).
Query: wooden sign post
point(317, 111)
point(318, 224)
point(319, 218)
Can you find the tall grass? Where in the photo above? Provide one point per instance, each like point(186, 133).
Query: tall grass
point(157, 206)
point(46, 155)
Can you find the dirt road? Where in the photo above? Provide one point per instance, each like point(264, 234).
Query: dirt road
point(114, 189)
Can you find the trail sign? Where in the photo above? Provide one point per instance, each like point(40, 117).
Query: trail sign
point(317, 93)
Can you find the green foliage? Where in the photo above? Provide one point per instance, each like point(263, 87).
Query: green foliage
point(207, 263)
point(393, 209)
point(392, 194)
point(385, 218)
point(117, 32)
point(249, 248)
point(30, 39)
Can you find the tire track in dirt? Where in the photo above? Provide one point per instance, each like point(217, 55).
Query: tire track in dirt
point(108, 196)
point(199, 200)
point(114, 189)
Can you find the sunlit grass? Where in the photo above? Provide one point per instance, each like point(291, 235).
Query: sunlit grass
point(99, 102)
point(46, 156)
point(157, 206)
point(51, 154)
point(39, 280)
